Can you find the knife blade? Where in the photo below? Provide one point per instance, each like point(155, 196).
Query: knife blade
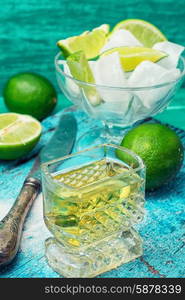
point(60, 144)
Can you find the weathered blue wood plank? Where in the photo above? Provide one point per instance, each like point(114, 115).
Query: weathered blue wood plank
point(163, 229)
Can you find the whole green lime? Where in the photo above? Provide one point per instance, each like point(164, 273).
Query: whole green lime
point(31, 94)
point(159, 147)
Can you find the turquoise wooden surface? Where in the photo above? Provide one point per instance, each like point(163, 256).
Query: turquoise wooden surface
point(163, 229)
point(29, 29)
point(28, 34)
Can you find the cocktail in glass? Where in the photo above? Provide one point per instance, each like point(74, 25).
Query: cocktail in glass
point(92, 200)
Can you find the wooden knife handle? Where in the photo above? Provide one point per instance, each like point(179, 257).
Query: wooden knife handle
point(12, 224)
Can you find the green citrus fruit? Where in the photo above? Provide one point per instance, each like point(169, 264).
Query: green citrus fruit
point(90, 42)
point(145, 32)
point(80, 70)
point(18, 135)
point(131, 57)
point(159, 147)
point(31, 94)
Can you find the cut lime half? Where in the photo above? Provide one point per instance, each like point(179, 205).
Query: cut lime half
point(145, 32)
point(18, 135)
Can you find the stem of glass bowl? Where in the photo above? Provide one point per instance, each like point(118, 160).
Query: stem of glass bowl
point(108, 133)
point(113, 134)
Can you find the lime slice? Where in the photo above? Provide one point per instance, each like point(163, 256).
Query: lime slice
point(145, 32)
point(90, 42)
point(130, 57)
point(80, 70)
point(18, 135)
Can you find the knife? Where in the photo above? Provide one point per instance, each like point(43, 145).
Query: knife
point(60, 144)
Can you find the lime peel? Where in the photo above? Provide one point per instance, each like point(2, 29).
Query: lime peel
point(159, 147)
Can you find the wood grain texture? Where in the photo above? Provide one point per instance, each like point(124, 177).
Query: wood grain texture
point(29, 30)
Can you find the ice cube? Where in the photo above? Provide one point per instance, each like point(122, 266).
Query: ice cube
point(109, 72)
point(148, 74)
point(173, 50)
point(121, 38)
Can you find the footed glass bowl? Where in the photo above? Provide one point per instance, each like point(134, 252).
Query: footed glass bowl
point(116, 107)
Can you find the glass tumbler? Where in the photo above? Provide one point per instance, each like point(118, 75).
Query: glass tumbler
point(92, 200)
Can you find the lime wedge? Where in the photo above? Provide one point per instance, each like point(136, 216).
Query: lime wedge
point(145, 32)
point(130, 57)
point(18, 135)
point(80, 70)
point(89, 41)
point(79, 67)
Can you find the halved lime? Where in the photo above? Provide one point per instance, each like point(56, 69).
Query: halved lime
point(145, 32)
point(18, 135)
point(90, 42)
point(130, 57)
point(80, 70)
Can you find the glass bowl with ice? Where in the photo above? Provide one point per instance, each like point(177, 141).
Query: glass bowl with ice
point(119, 77)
